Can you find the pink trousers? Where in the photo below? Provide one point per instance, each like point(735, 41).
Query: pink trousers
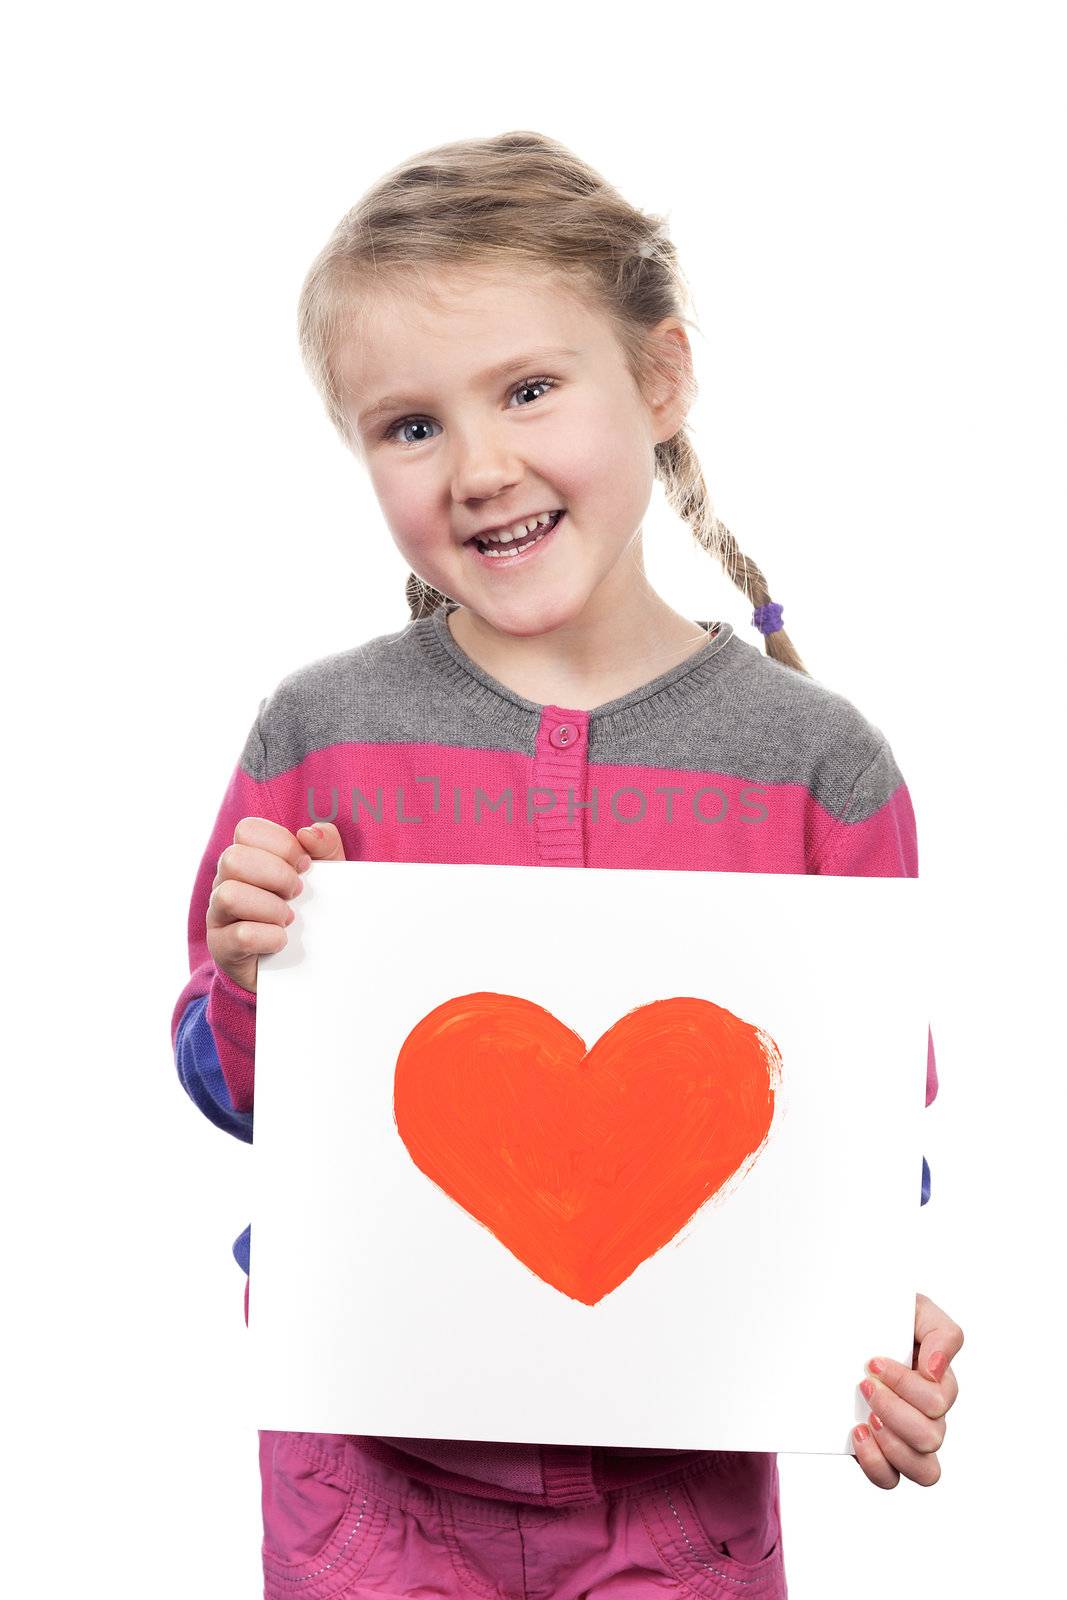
point(337, 1522)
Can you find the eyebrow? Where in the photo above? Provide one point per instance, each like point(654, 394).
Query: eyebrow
point(393, 402)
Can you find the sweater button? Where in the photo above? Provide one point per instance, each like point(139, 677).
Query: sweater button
point(564, 736)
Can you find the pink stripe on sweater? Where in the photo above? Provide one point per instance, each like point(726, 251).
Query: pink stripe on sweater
point(427, 801)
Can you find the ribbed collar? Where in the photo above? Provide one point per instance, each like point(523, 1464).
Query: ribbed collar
point(670, 693)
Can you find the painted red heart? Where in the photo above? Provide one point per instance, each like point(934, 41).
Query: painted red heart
point(584, 1163)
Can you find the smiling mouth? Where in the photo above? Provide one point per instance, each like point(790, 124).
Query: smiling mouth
point(504, 552)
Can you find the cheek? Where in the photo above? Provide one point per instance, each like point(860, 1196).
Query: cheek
point(413, 535)
point(407, 514)
point(602, 455)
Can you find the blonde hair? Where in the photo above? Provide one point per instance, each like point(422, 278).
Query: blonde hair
point(520, 198)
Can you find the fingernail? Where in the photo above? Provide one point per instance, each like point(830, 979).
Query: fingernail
point(303, 863)
point(861, 1434)
point(876, 1366)
point(938, 1363)
point(876, 1421)
point(866, 1388)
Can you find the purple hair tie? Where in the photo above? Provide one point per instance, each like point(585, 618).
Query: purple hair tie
point(768, 618)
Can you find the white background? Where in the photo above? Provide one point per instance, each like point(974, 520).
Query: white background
point(868, 205)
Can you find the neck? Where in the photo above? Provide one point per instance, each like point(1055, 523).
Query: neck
point(607, 650)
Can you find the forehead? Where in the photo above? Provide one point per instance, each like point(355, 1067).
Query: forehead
point(404, 335)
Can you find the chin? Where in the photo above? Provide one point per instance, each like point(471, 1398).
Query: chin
point(534, 627)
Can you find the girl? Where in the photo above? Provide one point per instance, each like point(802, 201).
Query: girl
point(498, 337)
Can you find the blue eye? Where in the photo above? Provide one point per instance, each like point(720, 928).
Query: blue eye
point(406, 422)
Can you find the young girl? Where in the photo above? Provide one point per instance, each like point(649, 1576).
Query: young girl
point(499, 339)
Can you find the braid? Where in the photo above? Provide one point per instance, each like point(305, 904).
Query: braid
point(422, 597)
point(686, 492)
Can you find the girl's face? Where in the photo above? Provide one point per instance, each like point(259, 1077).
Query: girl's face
point(505, 398)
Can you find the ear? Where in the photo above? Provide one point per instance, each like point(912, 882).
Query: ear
point(672, 385)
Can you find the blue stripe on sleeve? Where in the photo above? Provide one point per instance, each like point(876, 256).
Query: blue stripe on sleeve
point(197, 1060)
point(241, 1248)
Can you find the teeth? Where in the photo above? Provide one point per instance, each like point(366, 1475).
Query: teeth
point(520, 530)
point(509, 555)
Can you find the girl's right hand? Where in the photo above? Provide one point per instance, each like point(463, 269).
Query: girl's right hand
point(258, 874)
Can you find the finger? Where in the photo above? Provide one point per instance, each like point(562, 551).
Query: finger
point(261, 868)
point(260, 833)
point(949, 1388)
point(235, 901)
point(267, 835)
point(921, 1433)
point(869, 1456)
point(937, 1338)
point(920, 1467)
point(322, 841)
point(237, 940)
point(932, 1399)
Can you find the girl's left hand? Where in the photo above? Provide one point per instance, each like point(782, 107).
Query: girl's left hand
point(910, 1403)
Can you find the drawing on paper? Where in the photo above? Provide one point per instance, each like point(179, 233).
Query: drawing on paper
point(584, 1163)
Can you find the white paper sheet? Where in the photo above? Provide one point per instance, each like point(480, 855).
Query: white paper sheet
point(378, 1304)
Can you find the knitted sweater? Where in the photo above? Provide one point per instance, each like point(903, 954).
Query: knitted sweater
point(729, 761)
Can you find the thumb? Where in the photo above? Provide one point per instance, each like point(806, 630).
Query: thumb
point(933, 1330)
point(322, 842)
point(932, 1360)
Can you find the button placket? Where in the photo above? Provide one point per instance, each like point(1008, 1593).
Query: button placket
point(561, 765)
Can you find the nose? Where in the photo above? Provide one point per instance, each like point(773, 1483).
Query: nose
point(483, 467)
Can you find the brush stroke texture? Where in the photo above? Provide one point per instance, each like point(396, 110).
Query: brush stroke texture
point(584, 1163)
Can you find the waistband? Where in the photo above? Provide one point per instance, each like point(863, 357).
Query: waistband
point(554, 1475)
point(364, 1462)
